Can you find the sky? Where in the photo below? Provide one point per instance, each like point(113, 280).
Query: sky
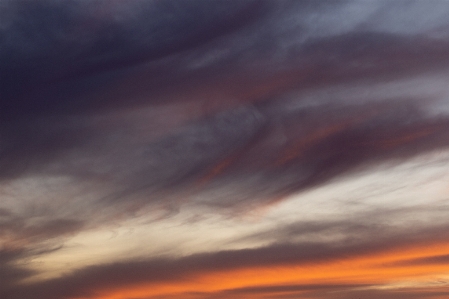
point(254, 149)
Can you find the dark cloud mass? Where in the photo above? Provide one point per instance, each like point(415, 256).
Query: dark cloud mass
point(226, 104)
point(47, 40)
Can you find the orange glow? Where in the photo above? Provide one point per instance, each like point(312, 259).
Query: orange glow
point(379, 268)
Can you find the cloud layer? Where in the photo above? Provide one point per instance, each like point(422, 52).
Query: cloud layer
point(224, 123)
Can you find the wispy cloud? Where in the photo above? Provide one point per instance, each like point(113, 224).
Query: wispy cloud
point(187, 127)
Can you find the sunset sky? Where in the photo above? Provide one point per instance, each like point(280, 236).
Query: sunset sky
point(248, 149)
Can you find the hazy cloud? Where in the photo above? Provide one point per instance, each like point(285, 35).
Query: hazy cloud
point(110, 107)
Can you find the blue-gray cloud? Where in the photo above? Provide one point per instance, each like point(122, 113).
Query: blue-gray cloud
point(171, 99)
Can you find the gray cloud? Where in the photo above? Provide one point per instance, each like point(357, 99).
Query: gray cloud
point(25, 238)
point(17, 228)
point(238, 121)
point(432, 260)
point(10, 274)
point(285, 291)
point(48, 40)
point(209, 102)
point(430, 292)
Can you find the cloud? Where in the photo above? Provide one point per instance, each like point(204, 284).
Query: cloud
point(10, 274)
point(432, 260)
point(435, 292)
point(285, 291)
point(26, 238)
point(109, 109)
point(262, 151)
point(86, 281)
point(31, 138)
point(48, 40)
point(374, 245)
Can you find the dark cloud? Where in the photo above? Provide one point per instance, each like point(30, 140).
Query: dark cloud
point(223, 103)
point(56, 119)
point(349, 293)
point(32, 227)
point(47, 40)
point(25, 238)
point(284, 291)
point(261, 151)
point(418, 292)
point(316, 144)
point(432, 260)
point(10, 273)
point(327, 292)
point(41, 231)
point(293, 288)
